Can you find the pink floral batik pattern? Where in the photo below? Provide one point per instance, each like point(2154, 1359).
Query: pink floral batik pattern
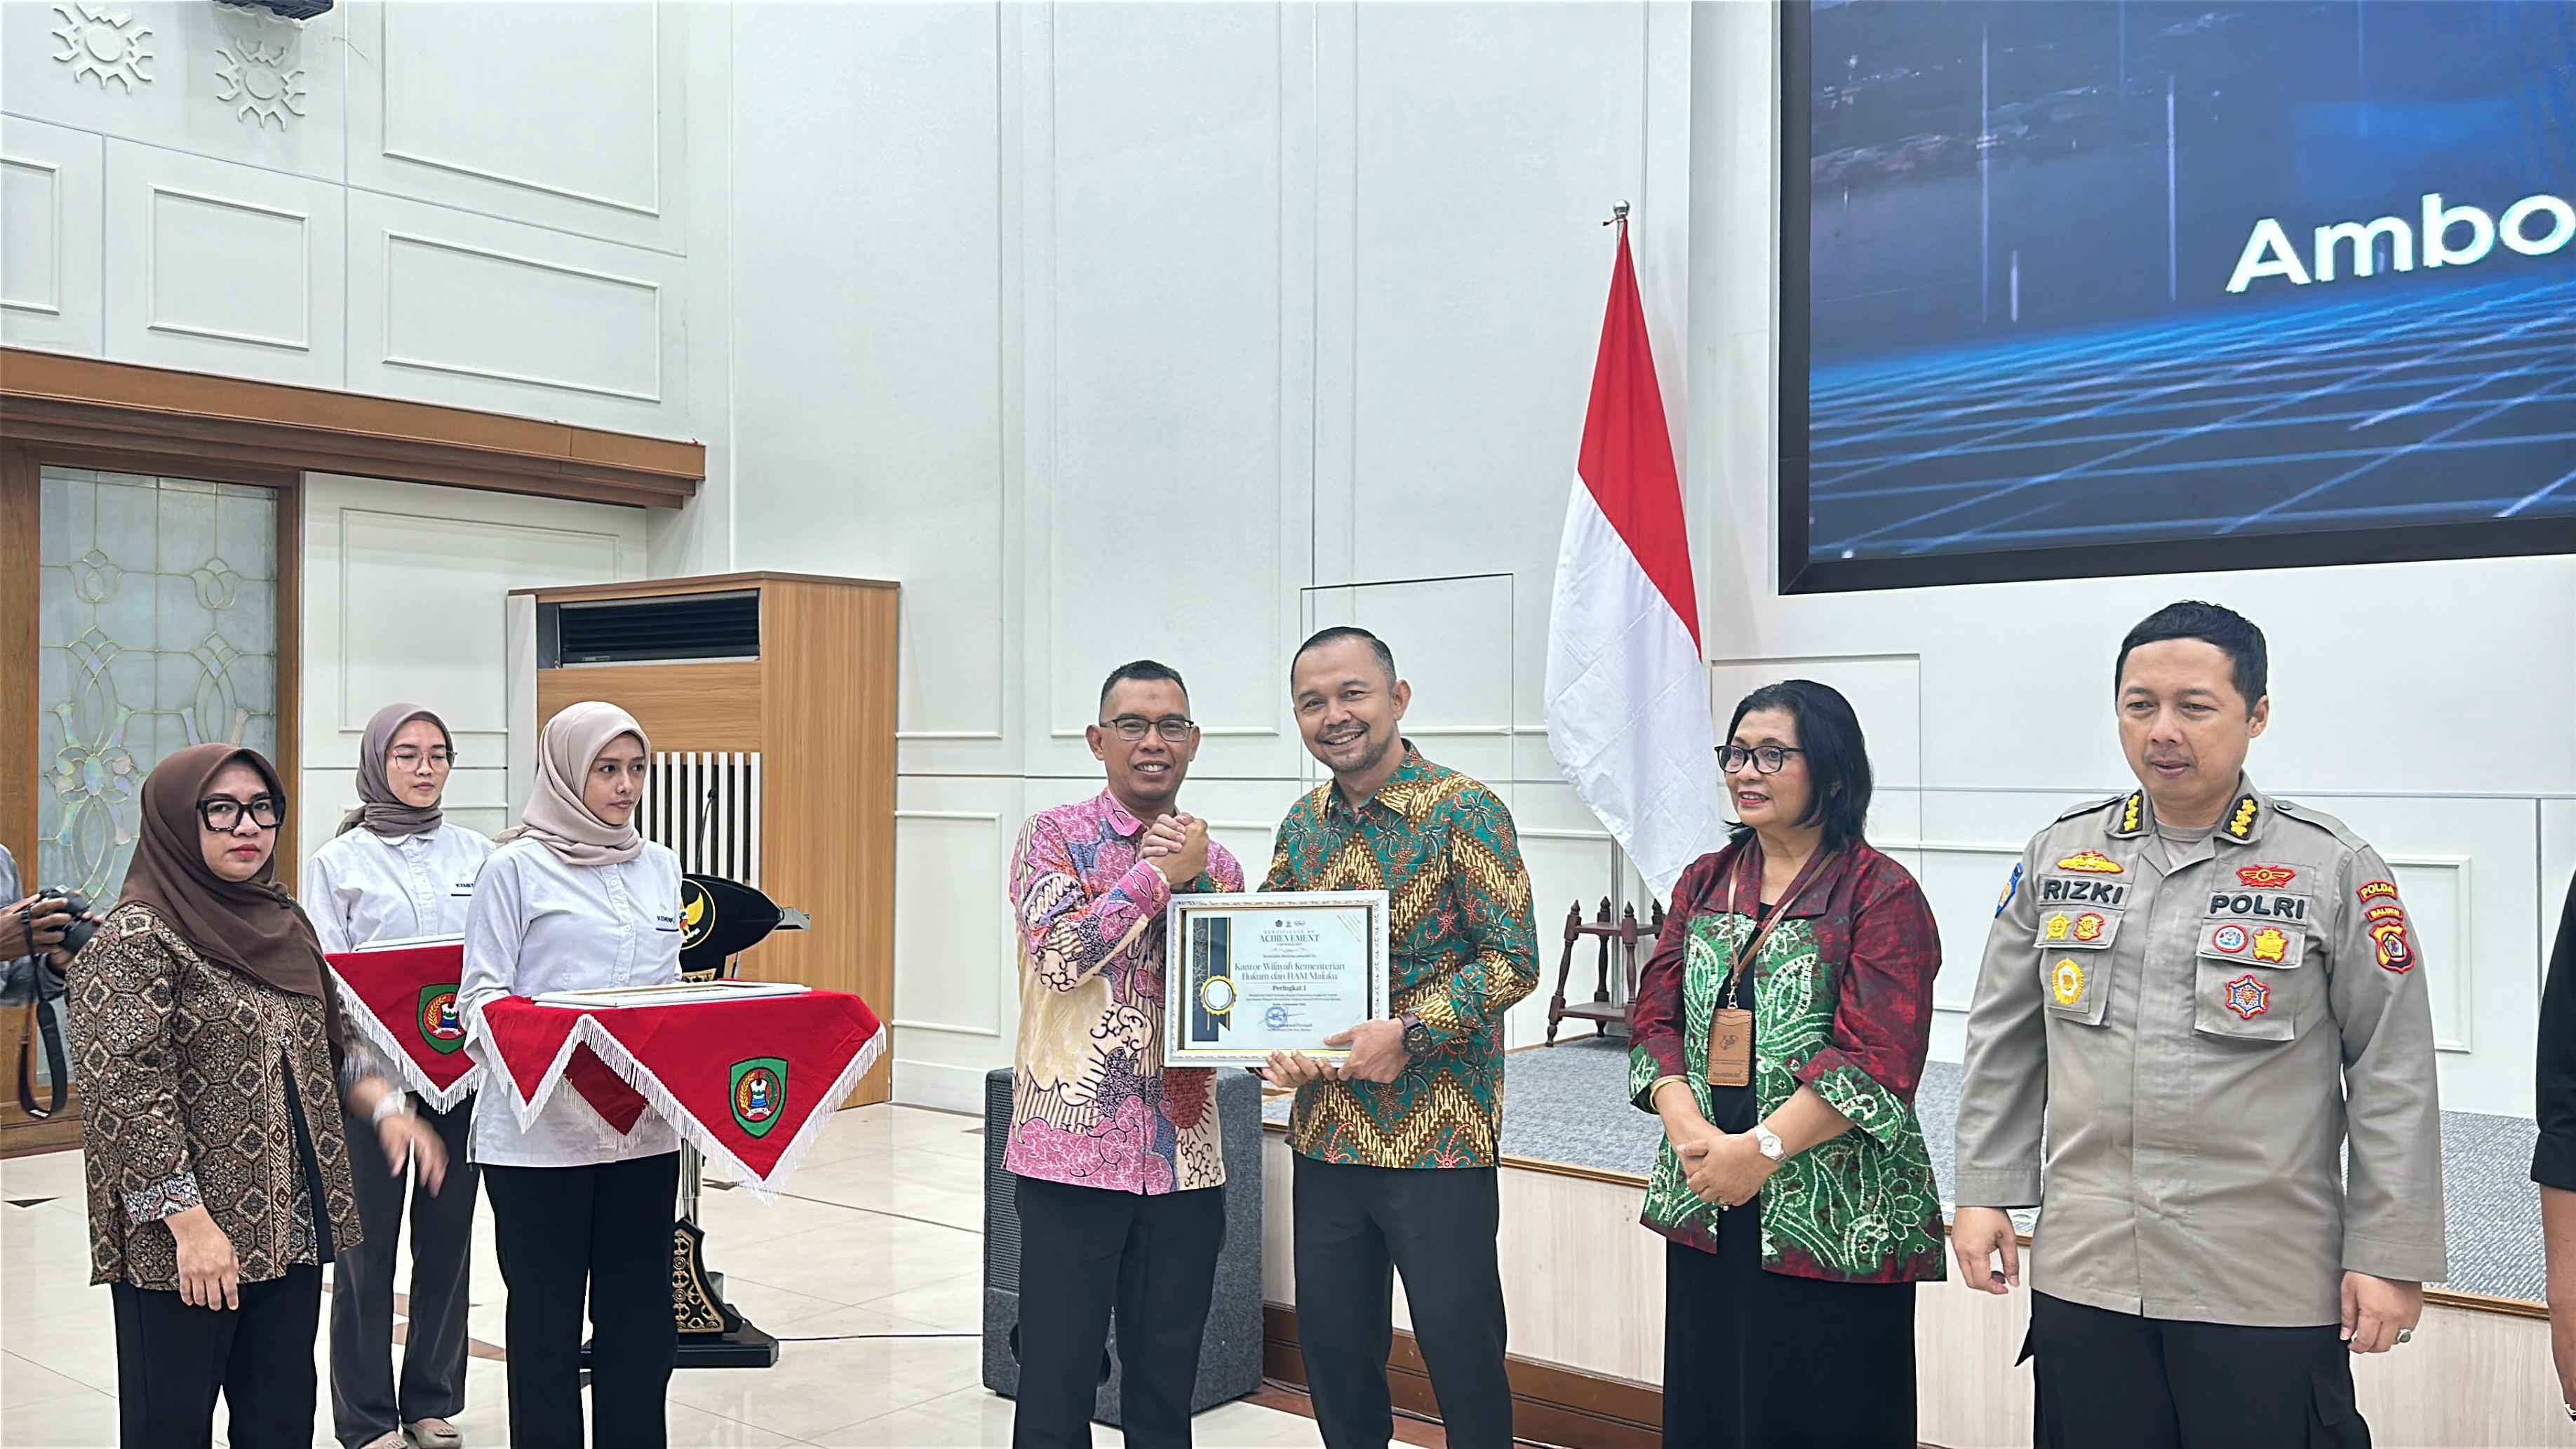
point(1092, 1104)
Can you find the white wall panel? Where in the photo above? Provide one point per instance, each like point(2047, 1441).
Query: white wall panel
point(956, 968)
point(404, 599)
point(1886, 694)
point(942, 915)
point(570, 115)
point(52, 209)
point(1491, 142)
point(2557, 875)
point(216, 267)
point(1168, 441)
point(1453, 641)
point(463, 309)
point(869, 296)
point(211, 80)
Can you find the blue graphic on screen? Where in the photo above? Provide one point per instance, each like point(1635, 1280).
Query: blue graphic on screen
point(2100, 273)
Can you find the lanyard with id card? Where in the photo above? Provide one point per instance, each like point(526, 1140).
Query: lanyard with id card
point(1730, 1026)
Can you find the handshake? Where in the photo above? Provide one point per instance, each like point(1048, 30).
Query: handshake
point(1177, 846)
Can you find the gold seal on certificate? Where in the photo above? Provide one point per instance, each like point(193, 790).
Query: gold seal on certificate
point(1248, 975)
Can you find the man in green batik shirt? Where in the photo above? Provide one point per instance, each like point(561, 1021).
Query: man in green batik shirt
point(1396, 1145)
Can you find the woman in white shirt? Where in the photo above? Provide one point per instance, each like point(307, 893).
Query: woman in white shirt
point(397, 869)
point(575, 899)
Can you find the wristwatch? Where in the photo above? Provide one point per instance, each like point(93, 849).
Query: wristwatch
point(1417, 1037)
point(1769, 1142)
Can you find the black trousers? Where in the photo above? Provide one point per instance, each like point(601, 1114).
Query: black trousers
point(365, 1403)
point(1356, 1226)
point(1756, 1360)
point(172, 1360)
point(2119, 1381)
point(1085, 1253)
point(608, 1228)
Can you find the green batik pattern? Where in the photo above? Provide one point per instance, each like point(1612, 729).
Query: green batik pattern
point(1706, 952)
point(1853, 1206)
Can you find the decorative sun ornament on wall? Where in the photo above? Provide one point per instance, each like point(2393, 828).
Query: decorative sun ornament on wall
point(103, 46)
point(257, 82)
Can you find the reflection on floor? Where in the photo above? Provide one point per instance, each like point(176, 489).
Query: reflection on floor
point(872, 1271)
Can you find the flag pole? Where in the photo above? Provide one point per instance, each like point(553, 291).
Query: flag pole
point(1619, 863)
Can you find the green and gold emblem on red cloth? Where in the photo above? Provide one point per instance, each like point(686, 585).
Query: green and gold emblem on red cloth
point(402, 1001)
point(442, 1027)
point(759, 1094)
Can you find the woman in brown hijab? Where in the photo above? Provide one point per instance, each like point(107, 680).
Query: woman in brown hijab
point(218, 1181)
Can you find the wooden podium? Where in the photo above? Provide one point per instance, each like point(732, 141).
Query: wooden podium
point(771, 702)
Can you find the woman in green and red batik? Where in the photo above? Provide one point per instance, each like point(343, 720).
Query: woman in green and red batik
point(1779, 1031)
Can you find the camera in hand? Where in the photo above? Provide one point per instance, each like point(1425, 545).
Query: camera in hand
point(64, 898)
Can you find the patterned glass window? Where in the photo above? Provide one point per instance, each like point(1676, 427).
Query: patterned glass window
point(159, 631)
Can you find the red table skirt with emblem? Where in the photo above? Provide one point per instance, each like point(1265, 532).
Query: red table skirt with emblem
point(752, 1083)
point(403, 1003)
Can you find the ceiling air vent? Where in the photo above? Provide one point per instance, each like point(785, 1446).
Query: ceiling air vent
point(645, 631)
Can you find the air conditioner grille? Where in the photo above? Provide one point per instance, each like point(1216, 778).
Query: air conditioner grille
point(691, 626)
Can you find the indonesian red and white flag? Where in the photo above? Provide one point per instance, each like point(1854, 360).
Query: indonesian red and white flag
point(1627, 686)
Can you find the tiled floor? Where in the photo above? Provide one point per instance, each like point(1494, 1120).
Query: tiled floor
point(882, 1237)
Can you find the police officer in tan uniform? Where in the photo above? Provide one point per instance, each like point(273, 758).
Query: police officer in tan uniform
point(2202, 995)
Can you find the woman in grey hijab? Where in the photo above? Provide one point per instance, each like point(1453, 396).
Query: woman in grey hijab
point(399, 869)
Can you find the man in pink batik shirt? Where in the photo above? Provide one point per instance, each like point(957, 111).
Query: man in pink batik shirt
point(1121, 1171)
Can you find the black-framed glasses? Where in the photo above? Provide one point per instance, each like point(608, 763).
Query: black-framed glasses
point(408, 758)
point(1174, 728)
point(1766, 759)
point(222, 812)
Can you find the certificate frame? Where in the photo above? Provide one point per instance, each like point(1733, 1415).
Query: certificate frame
point(1185, 1043)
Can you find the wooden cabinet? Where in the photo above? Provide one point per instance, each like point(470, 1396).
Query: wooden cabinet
point(774, 739)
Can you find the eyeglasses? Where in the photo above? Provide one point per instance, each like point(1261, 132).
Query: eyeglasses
point(222, 812)
point(1174, 728)
point(408, 758)
point(1766, 760)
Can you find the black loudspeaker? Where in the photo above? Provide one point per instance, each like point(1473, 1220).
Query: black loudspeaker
point(1230, 1352)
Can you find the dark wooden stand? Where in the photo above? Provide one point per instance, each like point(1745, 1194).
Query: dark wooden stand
point(1601, 1011)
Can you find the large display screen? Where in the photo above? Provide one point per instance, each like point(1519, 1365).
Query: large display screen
point(2115, 286)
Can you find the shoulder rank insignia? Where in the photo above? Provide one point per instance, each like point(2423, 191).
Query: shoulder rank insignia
point(2267, 877)
point(2271, 944)
point(2240, 826)
point(2132, 813)
point(2248, 998)
point(2066, 983)
point(2377, 889)
point(2092, 862)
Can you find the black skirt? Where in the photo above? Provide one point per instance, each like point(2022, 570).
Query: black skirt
point(1756, 1360)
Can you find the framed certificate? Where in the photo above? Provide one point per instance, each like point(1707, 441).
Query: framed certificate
point(1247, 975)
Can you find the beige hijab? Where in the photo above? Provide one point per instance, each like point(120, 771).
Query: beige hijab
point(555, 816)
